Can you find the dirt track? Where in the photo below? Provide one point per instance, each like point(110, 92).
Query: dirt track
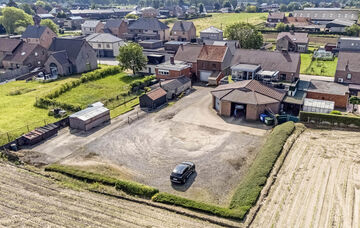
point(29, 200)
point(319, 184)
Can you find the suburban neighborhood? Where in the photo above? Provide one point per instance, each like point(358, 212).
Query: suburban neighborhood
point(179, 113)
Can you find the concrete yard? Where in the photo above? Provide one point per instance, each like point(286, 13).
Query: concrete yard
point(318, 185)
point(148, 149)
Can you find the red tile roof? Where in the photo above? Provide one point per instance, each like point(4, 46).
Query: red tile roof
point(213, 53)
point(156, 94)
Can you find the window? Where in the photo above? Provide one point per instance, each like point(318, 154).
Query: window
point(214, 65)
point(99, 45)
point(108, 45)
point(36, 54)
point(164, 72)
point(348, 77)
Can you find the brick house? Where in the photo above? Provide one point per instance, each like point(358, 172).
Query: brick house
point(330, 91)
point(246, 99)
point(91, 26)
point(116, 27)
point(189, 54)
point(36, 34)
point(7, 47)
point(274, 18)
point(292, 41)
point(183, 31)
point(26, 54)
point(147, 28)
point(348, 70)
point(173, 69)
point(212, 33)
point(213, 62)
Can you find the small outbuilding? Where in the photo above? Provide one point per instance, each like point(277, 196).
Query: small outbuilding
point(153, 99)
point(176, 86)
point(90, 117)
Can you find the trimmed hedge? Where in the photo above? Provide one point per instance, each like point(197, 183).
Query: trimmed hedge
point(331, 118)
point(129, 187)
point(250, 187)
point(167, 198)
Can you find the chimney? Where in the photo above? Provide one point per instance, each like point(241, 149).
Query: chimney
point(172, 60)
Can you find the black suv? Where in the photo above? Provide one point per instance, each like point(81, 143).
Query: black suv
point(182, 172)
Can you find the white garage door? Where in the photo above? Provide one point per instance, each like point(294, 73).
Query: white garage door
point(204, 76)
point(217, 104)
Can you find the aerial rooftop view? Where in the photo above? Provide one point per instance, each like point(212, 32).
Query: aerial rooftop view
point(179, 113)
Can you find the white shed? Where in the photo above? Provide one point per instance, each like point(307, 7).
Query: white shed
point(319, 106)
point(90, 117)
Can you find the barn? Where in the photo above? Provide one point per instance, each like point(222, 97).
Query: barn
point(176, 86)
point(91, 117)
point(153, 99)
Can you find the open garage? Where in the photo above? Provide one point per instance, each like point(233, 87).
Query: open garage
point(246, 99)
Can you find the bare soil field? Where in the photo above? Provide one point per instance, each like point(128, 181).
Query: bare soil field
point(148, 149)
point(30, 200)
point(318, 185)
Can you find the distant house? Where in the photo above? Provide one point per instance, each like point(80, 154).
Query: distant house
point(326, 15)
point(70, 56)
point(116, 27)
point(302, 23)
point(213, 63)
point(90, 27)
point(339, 25)
point(105, 44)
point(26, 54)
point(176, 86)
point(329, 91)
point(231, 44)
point(8, 47)
point(348, 44)
point(46, 16)
point(172, 69)
point(286, 63)
point(183, 31)
point(74, 22)
point(153, 99)
point(292, 41)
point(274, 18)
point(35, 34)
point(247, 99)
point(148, 28)
point(211, 33)
point(189, 54)
point(348, 70)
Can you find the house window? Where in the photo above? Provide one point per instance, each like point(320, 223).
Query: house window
point(214, 65)
point(99, 45)
point(36, 54)
point(164, 72)
point(348, 77)
point(108, 45)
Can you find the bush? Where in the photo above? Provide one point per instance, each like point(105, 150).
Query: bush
point(335, 112)
point(331, 118)
point(250, 187)
point(199, 206)
point(142, 83)
point(129, 187)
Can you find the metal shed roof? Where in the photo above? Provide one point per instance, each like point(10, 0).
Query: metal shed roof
point(89, 113)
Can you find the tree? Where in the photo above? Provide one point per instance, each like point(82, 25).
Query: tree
point(27, 8)
point(13, 18)
point(354, 100)
point(251, 9)
point(12, 3)
point(294, 6)
point(50, 24)
point(40, 4)
point(131, 57)
point(201, 8)
point(131, 16)
point(280, 27)
point(283, 8)
point(353, 30)
point(227, 4)
point(217, 5)
point(61, 14)
point(247, 35)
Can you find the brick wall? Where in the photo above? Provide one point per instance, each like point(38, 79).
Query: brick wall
point(341, 101)
point(173, 74)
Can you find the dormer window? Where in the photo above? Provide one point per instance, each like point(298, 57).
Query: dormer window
point(348, 77)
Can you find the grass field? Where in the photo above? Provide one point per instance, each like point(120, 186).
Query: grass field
point(19, 110)
point(221, 20)
point(317, 67)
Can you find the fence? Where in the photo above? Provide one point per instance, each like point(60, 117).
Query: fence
point(13, 136)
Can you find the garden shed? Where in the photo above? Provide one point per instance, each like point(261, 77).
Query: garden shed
point(90, 117)
point(153, 99)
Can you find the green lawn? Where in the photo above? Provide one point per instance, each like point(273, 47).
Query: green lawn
point(99, 90)
point(221, 20)
point(317, 67)
point(19, 110)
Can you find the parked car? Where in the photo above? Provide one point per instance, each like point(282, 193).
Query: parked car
point(182, 172)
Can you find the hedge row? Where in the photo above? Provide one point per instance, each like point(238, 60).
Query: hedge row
point(167, 198)
point(45, 103)
point(129, 187)
point(86, 77)
point(331, 118)
point(250, 187)
point(142, 83)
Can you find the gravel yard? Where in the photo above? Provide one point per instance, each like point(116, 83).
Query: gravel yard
point(148, 149)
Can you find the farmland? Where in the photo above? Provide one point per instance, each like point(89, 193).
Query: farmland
point(221, 20)
point(318, 185)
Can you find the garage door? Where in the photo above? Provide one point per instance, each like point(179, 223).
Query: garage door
point(217, 104)
point(204, 76)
